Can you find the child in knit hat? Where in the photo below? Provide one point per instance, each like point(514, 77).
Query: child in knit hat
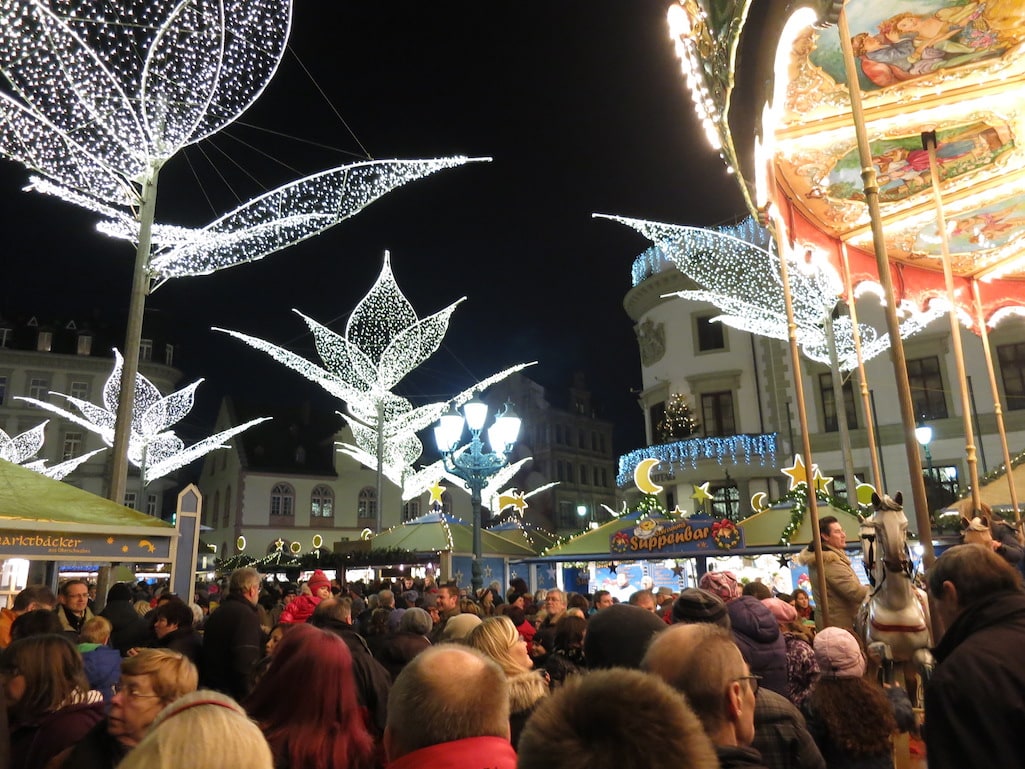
point(301, 607)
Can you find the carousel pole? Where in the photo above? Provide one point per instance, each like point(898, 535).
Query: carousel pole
point(802, 417)
point(900, 371)
point(866, 399)
point(929, 144)
point(998, 410)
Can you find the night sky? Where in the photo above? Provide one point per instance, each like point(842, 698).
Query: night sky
point(581, 105)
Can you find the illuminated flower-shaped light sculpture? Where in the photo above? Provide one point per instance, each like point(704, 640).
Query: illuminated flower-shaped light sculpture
point(384, 340)
point(742, 279)
point(153, 448)
point(103, 93)
point(20, 450)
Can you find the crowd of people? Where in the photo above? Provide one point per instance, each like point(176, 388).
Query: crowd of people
point(409, 673)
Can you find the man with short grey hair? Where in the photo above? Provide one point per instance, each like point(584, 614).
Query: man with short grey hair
point(233, 638)
point(449, 708)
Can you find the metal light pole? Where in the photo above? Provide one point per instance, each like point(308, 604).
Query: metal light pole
point(472, 463)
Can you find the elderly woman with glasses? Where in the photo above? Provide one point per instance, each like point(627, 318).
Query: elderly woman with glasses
point(49, 703)
point(150, 681)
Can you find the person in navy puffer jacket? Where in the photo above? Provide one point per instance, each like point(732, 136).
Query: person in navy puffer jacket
point(757, 634)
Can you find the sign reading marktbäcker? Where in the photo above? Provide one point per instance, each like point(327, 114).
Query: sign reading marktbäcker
point(98, 546)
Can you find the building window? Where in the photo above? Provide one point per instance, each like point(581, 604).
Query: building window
point(710, 335)
point(595, 477)
point(411, 510)
point(366, 505)
point(560, 473)
point(717, 413)
point(80, 390)
point(216, 505)
point(72, 446)
point(5, 336)
point(322, 502)
point(726, 502)
point(583, 475)
point(145, 349)
point(941, 486)
point(604, 478)
point(446, 503)
point(282, 501)
point(558, 434)
point(567, 516)
point(829, 414)
point(38, 388)
point(1012, 370)
point(151, 504)
point(3, 389)
point(130, 499)
point(601, 442)
point(85, 344)
point(927, 388)
point(226, 520)
point(168, 354)
point(44, 341)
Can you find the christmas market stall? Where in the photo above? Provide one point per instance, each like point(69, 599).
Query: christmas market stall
point(447, 543)
point(46, 523)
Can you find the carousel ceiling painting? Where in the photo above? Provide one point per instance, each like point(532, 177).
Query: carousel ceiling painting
point(953, 68)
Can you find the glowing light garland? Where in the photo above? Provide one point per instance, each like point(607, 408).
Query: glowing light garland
point(743, 280)
point(20, 449)
point(153, 448)
point(384, 340)
point(735, 448)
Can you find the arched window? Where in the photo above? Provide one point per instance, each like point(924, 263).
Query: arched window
point(322, 502)
point(446, 503)
point(366, 506)
point(227, 507)
point(282, 501)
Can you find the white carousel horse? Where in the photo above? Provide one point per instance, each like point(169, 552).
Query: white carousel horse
point(894, 620)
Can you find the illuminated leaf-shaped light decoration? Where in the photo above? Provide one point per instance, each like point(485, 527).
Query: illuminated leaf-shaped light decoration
point(384, 340)
point(743, 280)
point(20, 449)
point(152, 447)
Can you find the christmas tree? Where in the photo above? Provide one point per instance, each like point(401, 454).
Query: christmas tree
point(679, 421)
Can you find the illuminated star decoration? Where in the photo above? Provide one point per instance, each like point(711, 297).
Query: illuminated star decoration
point(152, 447)
point(821, 481)
point(384, 340)
point(20, 449)
point(436, 490)
point(701, 492)
point(740, 275)
point(797, 473)
point(513, 499)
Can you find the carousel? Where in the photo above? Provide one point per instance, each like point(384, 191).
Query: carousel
point(885, 140)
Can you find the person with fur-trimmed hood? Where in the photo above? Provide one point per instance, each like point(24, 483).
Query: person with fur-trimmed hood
point(844, 591)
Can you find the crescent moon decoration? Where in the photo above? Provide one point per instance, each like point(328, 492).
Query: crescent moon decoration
point(240, 543)
point(642, 476)
point(758, 503)
point(318, 541)
point(366, 534)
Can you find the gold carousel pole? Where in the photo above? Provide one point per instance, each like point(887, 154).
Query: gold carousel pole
point(929, 144)
point(998, 410)
point(866, 400)
point(802, 416)
point(900, 372)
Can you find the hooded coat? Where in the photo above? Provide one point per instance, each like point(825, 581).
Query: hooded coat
point(757, 633)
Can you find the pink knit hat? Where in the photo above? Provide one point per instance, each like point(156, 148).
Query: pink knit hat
point(781, 610)
point(838, 653)
point(317, 581)
point(721, 583)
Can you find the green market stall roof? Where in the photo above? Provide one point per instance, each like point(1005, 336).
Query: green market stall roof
point(438, 533)
point(44, 518)
point(766, 529)
point(525, 534)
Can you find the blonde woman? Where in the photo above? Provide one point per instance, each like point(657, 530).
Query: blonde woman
point(202, 730)
point(499, 639)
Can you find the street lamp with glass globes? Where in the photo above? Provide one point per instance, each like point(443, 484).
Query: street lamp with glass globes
point(923, 434)
point(472, 463)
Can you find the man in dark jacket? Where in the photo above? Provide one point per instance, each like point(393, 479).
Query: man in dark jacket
point(975, 700)
point(373, 681)
point(233, 638)
point(130, 629)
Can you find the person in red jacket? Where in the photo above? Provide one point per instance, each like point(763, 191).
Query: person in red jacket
point(301, 607)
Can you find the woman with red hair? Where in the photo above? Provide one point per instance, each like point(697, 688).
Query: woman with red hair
point(307, 707)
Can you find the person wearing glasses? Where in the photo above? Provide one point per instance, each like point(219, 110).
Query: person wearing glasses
point(150, 681)
point(703, 662)
point(73, 610)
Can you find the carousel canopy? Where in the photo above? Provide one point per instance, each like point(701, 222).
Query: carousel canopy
point(764, 529)
point(952, 67)
point(437, 532)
